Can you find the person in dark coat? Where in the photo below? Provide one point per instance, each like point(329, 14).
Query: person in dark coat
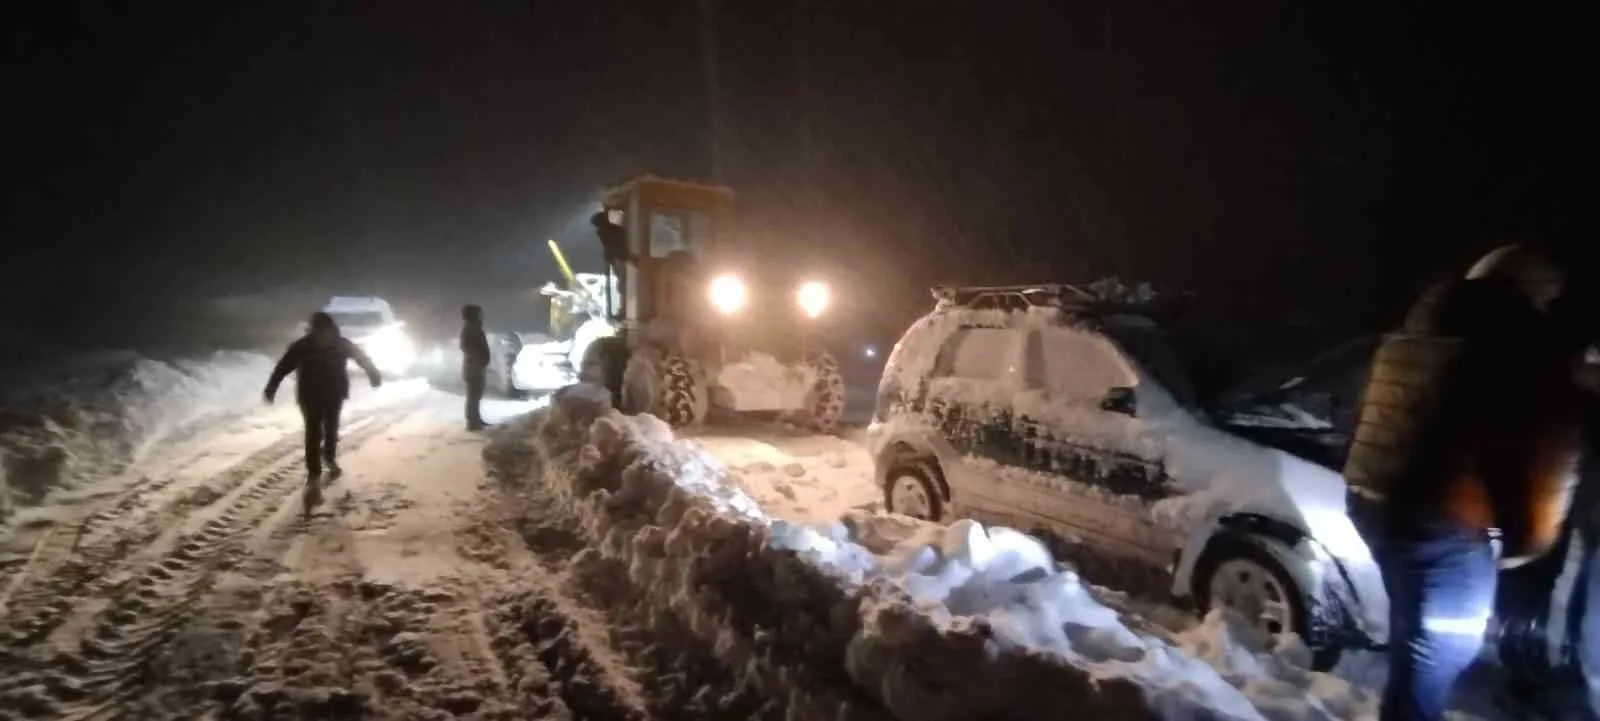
point(474, 363)
point(614, 247)
point(1469, 430)
point(320, 361)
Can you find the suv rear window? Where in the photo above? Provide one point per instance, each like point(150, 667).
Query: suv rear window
point(976, 353)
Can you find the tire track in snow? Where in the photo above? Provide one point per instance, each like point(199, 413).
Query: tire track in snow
point(69, 562)
point(541, 648)
point(148, 610)
point(493, 642)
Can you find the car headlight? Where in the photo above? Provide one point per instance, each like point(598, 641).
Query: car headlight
point(391, 348)
point(728, 294)
point(813, 297)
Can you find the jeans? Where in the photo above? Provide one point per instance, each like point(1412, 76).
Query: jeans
point(322, 433)
point(475, 379)
point(1589, 628)
point(1441, 583)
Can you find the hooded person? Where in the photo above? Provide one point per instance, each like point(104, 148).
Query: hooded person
point(474, 363)
point(1469, 434)
point(320, 363)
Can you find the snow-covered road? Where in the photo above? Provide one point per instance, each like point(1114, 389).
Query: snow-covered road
point(563, 572)
point(190, 586)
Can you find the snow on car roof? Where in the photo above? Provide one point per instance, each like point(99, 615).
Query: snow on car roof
point(347, 303)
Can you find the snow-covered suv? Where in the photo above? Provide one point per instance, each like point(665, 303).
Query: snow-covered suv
point(1064, 410)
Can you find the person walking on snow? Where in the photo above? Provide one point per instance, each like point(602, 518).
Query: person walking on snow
point(319, 360)
point(1469, 428)
point(474, 363)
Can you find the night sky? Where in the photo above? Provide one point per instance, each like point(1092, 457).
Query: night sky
point(1300, 168)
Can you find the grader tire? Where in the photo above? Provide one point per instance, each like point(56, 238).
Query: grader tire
point(680, 394)
point(825, 400)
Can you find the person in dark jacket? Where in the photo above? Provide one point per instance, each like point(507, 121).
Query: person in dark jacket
point(320, 360)
point(474, 363)
point(614, 247)
point(1469, 430)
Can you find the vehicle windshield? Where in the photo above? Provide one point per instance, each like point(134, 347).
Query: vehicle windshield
point(1320, 393)
point(357, 318)
point(1151, 347)
point(1308, 409)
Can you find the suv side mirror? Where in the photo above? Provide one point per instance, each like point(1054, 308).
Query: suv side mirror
point(1121, 399)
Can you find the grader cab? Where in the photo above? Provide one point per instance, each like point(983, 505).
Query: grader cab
point(695, 337)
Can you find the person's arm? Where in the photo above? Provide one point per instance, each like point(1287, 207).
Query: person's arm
point(481, 340)
point(286, 365)
point(361, 359)
point(475, 346)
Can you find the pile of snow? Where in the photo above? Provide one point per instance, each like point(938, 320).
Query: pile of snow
point(761, 381)
point(883, 612)
point(87, 421)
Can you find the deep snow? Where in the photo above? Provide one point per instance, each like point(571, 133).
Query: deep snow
point(85, 421)
point(929, 622)
point(608, 570)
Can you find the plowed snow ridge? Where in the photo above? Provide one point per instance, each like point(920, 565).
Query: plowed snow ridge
point(955, 623)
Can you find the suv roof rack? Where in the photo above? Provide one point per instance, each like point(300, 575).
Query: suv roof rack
point(1108, 296)
point(1013, 297)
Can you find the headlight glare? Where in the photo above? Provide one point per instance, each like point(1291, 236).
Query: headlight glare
point(728, 294)
point(813, 298)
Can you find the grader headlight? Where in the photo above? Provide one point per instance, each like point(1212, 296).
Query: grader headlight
point(728, 294)
point(813, 298)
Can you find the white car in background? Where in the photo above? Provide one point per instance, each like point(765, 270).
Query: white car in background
point(370, 322)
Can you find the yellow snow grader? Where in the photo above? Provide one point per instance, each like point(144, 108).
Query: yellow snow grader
point(695, 337)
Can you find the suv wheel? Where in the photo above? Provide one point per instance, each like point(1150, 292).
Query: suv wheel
point(910, 491)
point(1237, 573)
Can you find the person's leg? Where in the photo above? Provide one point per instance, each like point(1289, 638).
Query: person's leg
point(312, 416)
point(1441, 596)
point(1589, 625)
point(330, 434)
point(475, 379)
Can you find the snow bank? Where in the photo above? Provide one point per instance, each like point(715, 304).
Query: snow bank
point(86, 421)
point(879, 611)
